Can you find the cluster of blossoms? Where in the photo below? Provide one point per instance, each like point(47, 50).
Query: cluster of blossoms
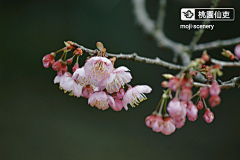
point(97, 80)
point(181, 106)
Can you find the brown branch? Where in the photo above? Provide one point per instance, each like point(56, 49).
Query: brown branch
point(225, 64)
point(199, 33)
point(156, 31)
point(233, 83)
point(134, 57)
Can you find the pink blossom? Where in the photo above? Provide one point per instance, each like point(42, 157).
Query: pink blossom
point(174, 83)
point(84, 80)
point(176, 109)
point(192, 111)
point(187, 83)
point(101, 100)
point(135, 95)
point(149, 120)
point(214, 89)
point(208, 116)
point(179, 123)
point(214, 100)
point(157, 124)
point(168, 126)
point(185, 94)
point(237, 50)
point(116, 79)
point(98, 68)
point(69, 84)
point(48, 60)
point(203, 92)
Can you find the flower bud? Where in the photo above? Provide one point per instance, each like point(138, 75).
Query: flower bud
point(203, 92)
point(237, 50)
point(200, 105)
point(208, 116)
point(167, 76)
point(214, 100)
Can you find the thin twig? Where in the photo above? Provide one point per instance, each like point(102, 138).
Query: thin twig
point(225, 64)
point(161, 14)
point(233, 83)
point(134, 57)
point(199, 33)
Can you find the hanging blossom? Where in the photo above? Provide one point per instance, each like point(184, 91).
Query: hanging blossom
point(97, 80)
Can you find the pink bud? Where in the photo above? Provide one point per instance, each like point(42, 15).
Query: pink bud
point(78, 52)
point(63, 69)
point(208, 116)
point(164, 84)
point(200, 105)
point(192, 111)
point(157, 123)
point(214, 100)
point(179, 123)
point(185, 94)
point(214, 89)
point(187, 83)
point(168, 126)
point(205, 56)
point(149, 120)
point(48, 60)
point(174, 84)
point(69, 61)
point(203, 92)
point(118, 105)
point(57, 65)
point(192, 73)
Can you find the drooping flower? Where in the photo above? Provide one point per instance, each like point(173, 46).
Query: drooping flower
point(157, 123)
point(176, 109)
point(203, 92)
point(118, 96)
point(174, 83)
point(168, 126)
point(101, 100)
point(149, 120)
point(116, 79)
point(135, 95)
point(185, 94)
point(192, 111)
point(214, 100)
point(200, 105)
point(208, 116)
point(98, 68)
point(179, 123)
point(214, 89)
point(60, 67)
point(48, 60)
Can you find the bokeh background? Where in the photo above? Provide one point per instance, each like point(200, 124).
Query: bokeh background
point(38, 121)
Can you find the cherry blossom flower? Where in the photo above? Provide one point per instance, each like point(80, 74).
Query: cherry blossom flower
point(157, 124)
point(101, 100)
point(149, 120)
point(98, 68)
point(203, 92)
point(174, 83)
point(48, 60)
point(179, 123)
point(135, 95)
point(208, 116)
point(192, 111)
point(176, 109)
point(214, 100)
point(185, 94)
point(60, 67)
point(116, 79)
point(69, 84)
point(214, 89)
point(118, 100)
point(168, 126)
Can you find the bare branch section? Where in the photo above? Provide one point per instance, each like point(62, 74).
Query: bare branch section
point(199, 33)
point(135, 57)
point(225, 64)
point(156, 31)
point(233, 83)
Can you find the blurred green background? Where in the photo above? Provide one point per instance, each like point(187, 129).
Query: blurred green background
point(38, 121)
